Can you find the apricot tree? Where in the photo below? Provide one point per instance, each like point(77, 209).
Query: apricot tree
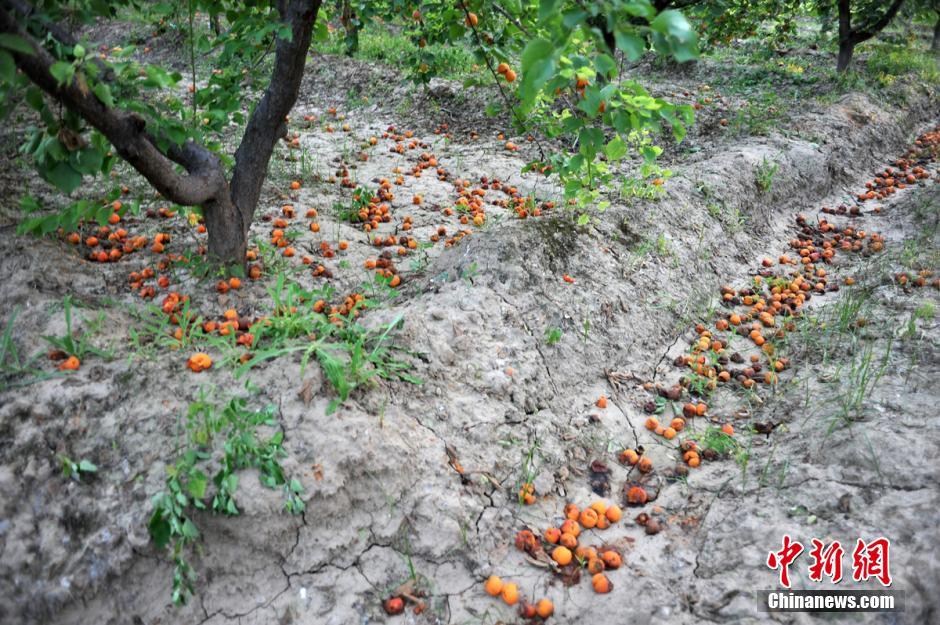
point(98, 105)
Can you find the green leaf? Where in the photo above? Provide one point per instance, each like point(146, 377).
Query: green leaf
point(62, 72)
point(547, 9)
point(29, 204)
point(616, 148)
point(535, 51)
point(631, 45)
point(16, 43)
point(87, 466)
point(189, 530)
point(87, 161)
point(159, 529)
point(103, 92)
point(64, 177)
point(197, 485)
point(604, 65)
point(679, 37)
point(7, 67)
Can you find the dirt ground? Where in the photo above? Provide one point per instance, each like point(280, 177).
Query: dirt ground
point(384, 503)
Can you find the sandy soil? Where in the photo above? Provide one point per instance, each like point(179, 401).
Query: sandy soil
point(383, 503)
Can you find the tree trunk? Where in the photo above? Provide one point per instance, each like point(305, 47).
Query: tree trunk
point(846, 45)
point(846, 48)
point(935, 46)
point(228, 240)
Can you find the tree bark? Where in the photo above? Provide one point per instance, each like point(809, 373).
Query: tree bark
point(268, 121)
point(846, 46)
point(935, 46)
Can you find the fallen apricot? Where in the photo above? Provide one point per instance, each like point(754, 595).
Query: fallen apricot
point(562, 555)
point(493, 585)
point(588, 518)
point(614, 513)
point(199, 362)
point(510, 593)
point(544, 608)
point(71, 363)
point(552, 535)
point(601, 584)
point(612, 559)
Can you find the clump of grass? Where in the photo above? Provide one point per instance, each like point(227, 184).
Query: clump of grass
point(382, 43)
point(887, 63)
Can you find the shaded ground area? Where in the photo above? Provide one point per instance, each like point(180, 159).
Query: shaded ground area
point(513, 358)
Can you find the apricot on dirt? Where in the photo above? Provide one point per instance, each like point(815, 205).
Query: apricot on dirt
point(601, 584)
point(493, 585)
point(562, 555)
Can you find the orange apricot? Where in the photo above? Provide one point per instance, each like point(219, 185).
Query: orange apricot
point(493, 585)
point(588, 518)
point(552, 535)
point(510, 593)
point(612, 559)
point(613, 513)
point(601, 584)
point(595, 565)
point(561, 555)
point(636, 495)
point(199, 362)
point(544, 608)
point(71, 363)
point(572, 512)
point(570, 526)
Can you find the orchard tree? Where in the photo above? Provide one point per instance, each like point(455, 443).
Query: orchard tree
point(859, 20)
point(98, 105)
point(103, 99)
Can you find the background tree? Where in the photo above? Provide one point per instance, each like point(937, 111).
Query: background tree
point(859, 21)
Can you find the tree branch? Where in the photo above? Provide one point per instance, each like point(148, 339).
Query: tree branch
point(267, 123)
point(126, 131)
point(869, 31)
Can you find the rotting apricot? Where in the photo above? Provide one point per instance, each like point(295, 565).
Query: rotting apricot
point(199, 362)
point(552, 535)
point(612, 559)
point(595, 566)
point(72, 363)
point(629, 456)
point(601, 584)
point(637, 496)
